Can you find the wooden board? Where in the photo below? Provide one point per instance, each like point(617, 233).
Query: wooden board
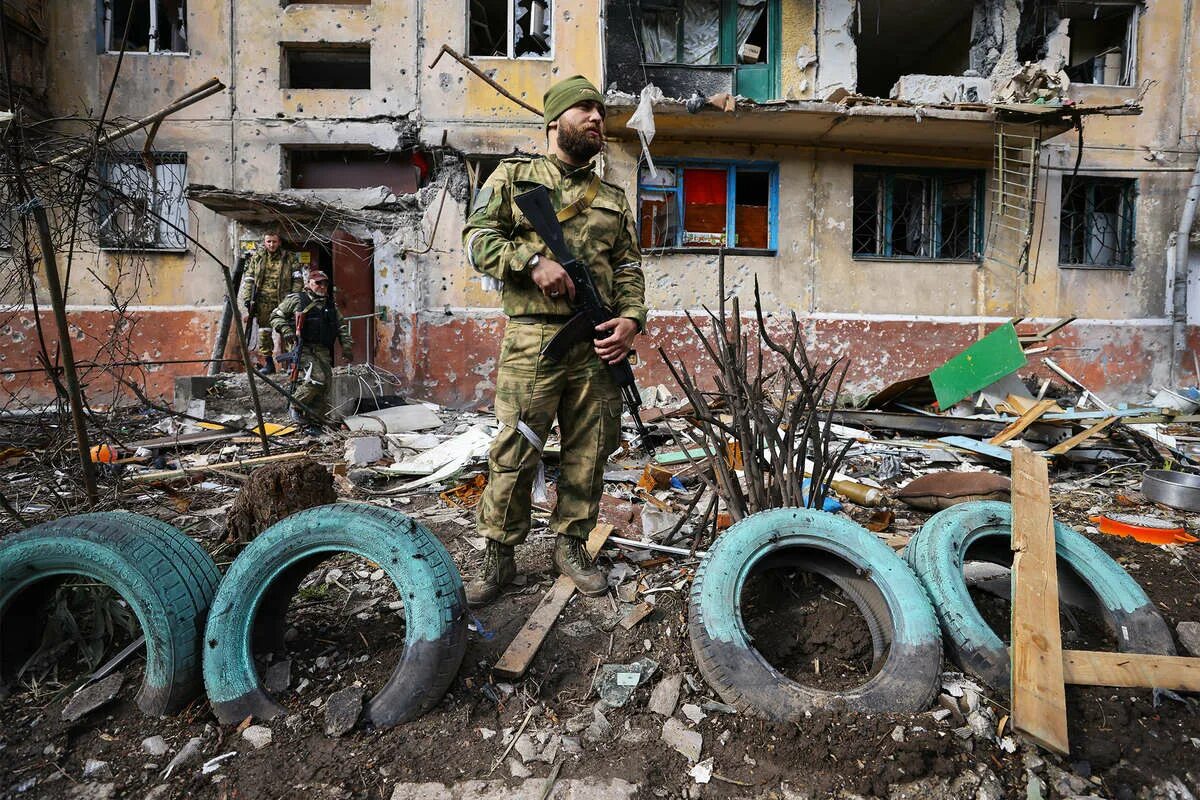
point(1028, 418)
point(1132, 670)
point(525, 644)
point(1079, 438)
point(1039, 703)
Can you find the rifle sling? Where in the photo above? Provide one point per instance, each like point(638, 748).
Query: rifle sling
point(583, 203)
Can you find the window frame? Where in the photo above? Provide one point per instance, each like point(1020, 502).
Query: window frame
point(106, 242)
point(1129, 66)
point(940, 174)
point(106, 15)
point(1128, 218)
point(731, 166)
point(511, 43)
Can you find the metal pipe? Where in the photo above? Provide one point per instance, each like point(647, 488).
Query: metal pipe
point(1179, 313)
point(227, 313)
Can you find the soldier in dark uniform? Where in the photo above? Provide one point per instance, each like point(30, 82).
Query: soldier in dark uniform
point(537, 297)
point(322, 325)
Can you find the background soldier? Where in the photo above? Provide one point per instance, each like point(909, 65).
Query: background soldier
point(310, 323)
point(537, 294)
point(272, 273)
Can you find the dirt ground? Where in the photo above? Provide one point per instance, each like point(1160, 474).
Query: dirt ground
point(348, 629)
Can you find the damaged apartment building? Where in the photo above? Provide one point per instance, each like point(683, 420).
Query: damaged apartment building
point(900, 175)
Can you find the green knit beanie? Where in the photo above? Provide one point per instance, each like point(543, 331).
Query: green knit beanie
point(566, 93)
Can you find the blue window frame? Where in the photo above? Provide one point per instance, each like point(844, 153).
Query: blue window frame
point(927, 214)
point(703, 203)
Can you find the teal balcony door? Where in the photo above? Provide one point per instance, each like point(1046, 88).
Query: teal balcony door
point(751, 40)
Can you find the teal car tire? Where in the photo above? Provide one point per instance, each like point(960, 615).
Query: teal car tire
point(982, 531)
point(252, 601)
point(904, 626)
point(167, 579)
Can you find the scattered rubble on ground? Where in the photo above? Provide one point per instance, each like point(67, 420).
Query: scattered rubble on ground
point(614, 698)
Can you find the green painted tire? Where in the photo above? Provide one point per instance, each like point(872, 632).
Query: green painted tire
point(166, 578)
point(983, 529)
point(889, 593)
point(252, 601)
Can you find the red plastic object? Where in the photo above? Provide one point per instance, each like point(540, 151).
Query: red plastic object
point(1145, 529)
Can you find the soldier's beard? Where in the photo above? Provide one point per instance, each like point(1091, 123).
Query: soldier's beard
point(575, 143)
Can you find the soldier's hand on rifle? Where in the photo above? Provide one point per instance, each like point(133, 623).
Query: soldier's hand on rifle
point(347, 352)
point(552, 279)
point(617, 345)
point(289, 340)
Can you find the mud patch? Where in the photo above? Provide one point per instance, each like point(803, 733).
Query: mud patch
point(276, 491)
point(807, 628)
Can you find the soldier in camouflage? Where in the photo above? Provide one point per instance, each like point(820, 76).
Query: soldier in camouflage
point(321, 327)
point(272, 273)
point(537, 296)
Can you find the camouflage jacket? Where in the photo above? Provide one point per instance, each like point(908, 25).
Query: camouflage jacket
point(499, 241)
point(283, 318)
point(276, 276)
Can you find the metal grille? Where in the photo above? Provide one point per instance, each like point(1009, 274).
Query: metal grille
point(1013, 197)
point(1096, 228)
point(932, 214)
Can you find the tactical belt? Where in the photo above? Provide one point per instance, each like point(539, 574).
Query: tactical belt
point(540, 319)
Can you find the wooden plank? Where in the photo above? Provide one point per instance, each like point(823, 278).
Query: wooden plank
point(524, 646)
point(176, 474)
point(1024, 421)
point(1039, 703)
point(636, 615)
point(1079, 438)
point(187, 439)
point(1132, 670)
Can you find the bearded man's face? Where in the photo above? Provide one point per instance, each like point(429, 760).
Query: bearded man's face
point(581, 131)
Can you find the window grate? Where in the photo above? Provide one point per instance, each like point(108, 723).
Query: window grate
point(925, 214)
point(1097, 222)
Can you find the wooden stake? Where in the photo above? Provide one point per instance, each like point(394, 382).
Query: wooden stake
point(1038, 695)
point(1028, 418)
point(1079, 438)
point(524, 646)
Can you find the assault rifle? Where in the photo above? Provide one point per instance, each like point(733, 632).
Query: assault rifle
point(292, 357)
point(590, 311)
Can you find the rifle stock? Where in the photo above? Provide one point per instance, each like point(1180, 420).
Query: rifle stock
point(536, 206)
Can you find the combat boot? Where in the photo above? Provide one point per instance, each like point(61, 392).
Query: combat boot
point(499, 569)
point(573, 561)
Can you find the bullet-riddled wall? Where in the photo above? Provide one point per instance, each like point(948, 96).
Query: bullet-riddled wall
point(443, 328)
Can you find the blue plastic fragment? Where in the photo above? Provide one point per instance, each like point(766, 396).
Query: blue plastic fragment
point(831, 503)
point(676, 483)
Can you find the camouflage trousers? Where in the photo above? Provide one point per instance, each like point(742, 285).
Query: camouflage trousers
point(314, 380)
point(262, 315)
point(533, 390)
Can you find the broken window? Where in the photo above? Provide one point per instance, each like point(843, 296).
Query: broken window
point(895, 37)
point(708, 205)
point(1103, 39)
point(509, 28)
point(703, 32)
point(924, 214)
point(142, 205)
point(326, 66)
point(402, 172)
point(146, 26)
point(1096, 222)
